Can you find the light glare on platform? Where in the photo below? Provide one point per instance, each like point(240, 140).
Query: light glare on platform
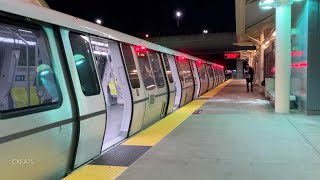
point(205, 31)
point(147, 35)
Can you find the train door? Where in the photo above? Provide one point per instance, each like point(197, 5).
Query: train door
point(37, 111)
point(176, 80)
point(186, 79)
point(137, 91)
point(210, 73)
point(220, 76)
point(115, 88)
point(215, 75)
point(155, 88)
point(196, 79)
point(190, 86)
point(203, 79)
point(223, 75)
point(171, 85)
point(90, 99)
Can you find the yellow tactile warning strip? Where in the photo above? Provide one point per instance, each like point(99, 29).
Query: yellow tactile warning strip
point(155, 133)
point(148, 137)
point(95, 172)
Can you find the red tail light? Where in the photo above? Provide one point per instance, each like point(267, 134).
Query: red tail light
point(198, 63)
point(139, 48)
point(181, 59)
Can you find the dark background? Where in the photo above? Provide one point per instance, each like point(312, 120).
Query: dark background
point(156, 18)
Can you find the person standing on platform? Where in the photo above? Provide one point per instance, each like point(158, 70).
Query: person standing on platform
point(249, 73)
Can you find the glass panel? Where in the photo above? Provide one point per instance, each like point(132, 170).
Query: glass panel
point(146, 72)
point(180, 69)
point(26, 73)
point(210, 70)
point(188, 74)
point(157, 69)
point(203, 72)
point(131, 66)
point(167, 66)
point(85, 66)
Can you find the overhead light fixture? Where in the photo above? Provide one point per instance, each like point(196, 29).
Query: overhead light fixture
point(269, 4)
point(16, 41)
point(98, 21)
point(178, 14)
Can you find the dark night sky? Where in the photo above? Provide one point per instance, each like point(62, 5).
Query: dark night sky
point(154, 17)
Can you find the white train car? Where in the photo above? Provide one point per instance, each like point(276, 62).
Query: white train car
point(71, 89)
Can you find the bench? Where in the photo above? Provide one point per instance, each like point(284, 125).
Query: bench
point(272, 94)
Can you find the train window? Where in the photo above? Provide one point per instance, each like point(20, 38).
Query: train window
point(167, 66)
point(26, 73)
point(131, 66)
point(210, 70)
point(84, 64)
point(157, 69)
point(146, 71)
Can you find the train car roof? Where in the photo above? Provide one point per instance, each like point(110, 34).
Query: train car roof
point(35, 11)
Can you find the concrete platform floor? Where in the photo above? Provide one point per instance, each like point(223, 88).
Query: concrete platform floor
point(236, 137)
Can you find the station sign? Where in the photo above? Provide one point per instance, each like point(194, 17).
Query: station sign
point(232, 55)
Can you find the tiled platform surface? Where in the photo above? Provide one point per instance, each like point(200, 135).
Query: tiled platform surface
point(236, 136)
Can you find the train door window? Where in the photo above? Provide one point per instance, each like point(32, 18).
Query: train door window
point(199, 71)
point(180, 70)
point(188, 75)
point(84, 63)
point(210, 70)
point(157, 69)
point(167, 66)
point(146, 71)
point(26, 73)
point(203, 72)
point(131, 66)
point(183, 71)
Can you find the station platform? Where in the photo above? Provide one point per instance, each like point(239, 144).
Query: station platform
point(226, 134)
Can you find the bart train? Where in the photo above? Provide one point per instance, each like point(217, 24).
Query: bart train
point(71, 89)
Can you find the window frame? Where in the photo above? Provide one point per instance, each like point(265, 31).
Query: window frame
point(210, 71)
point(94, 67)
point(23, 22)
point(125, 64)
point(161, 69)
point(152, 77)
point(185, 69)
point(166, 59)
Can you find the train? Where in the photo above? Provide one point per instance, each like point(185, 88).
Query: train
point(71, 89)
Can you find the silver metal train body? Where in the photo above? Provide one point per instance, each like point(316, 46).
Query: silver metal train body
point(71, 89)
